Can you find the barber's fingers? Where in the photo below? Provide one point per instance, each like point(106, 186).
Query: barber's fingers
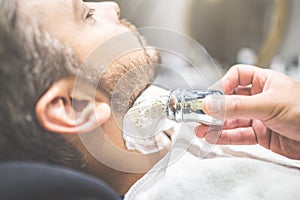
point(237, 106)
point(236, 136)
point(237, 123)
point(239, 136)
point(243, 75)
point(257, 133)
point(243, 90)
point(201, 130)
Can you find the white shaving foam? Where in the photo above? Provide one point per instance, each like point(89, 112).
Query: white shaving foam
point(144, 123)
point(150, 105)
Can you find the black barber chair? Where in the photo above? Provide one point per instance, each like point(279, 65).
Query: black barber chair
point(33, 181)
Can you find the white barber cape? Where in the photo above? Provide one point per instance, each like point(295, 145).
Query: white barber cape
point(245, 172)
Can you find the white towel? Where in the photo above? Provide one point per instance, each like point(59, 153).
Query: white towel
point(230, 173)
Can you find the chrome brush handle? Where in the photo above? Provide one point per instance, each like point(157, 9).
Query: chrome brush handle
point(186, 106)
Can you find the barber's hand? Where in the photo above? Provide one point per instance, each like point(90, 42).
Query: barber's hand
point(262, 107)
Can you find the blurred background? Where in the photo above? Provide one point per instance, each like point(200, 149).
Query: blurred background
point(260, 32)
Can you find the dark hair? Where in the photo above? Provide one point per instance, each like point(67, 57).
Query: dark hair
point(30, 61)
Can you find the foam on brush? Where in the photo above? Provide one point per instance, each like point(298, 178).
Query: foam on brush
point(145, 121)
point(150, 105)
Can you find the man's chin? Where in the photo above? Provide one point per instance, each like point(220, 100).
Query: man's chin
point(129, 75)
point(143, 73)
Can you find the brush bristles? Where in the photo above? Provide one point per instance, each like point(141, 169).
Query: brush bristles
point(149, 107)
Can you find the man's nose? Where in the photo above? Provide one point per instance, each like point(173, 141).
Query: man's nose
point(107, 10)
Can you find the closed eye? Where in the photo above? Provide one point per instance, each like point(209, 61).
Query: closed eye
point(90, 13)
point(87, 12)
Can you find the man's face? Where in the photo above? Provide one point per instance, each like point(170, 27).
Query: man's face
point(85, 26)
point(82, 26)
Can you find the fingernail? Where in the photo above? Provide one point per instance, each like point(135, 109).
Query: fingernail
point(196, 130)
point(214, 104)
point(198, 133)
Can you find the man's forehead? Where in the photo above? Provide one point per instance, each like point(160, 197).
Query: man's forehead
point(47, 4)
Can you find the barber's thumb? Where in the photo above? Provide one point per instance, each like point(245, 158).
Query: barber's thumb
point(235, 106)
point(214, 105)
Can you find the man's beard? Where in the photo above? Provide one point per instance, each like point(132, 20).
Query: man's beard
point(129, 74)
point(127, 24)
point(126, 77)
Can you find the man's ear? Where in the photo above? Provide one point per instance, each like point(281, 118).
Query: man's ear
point(59, 110)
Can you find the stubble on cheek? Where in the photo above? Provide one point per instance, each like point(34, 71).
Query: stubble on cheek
point(128, 76)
